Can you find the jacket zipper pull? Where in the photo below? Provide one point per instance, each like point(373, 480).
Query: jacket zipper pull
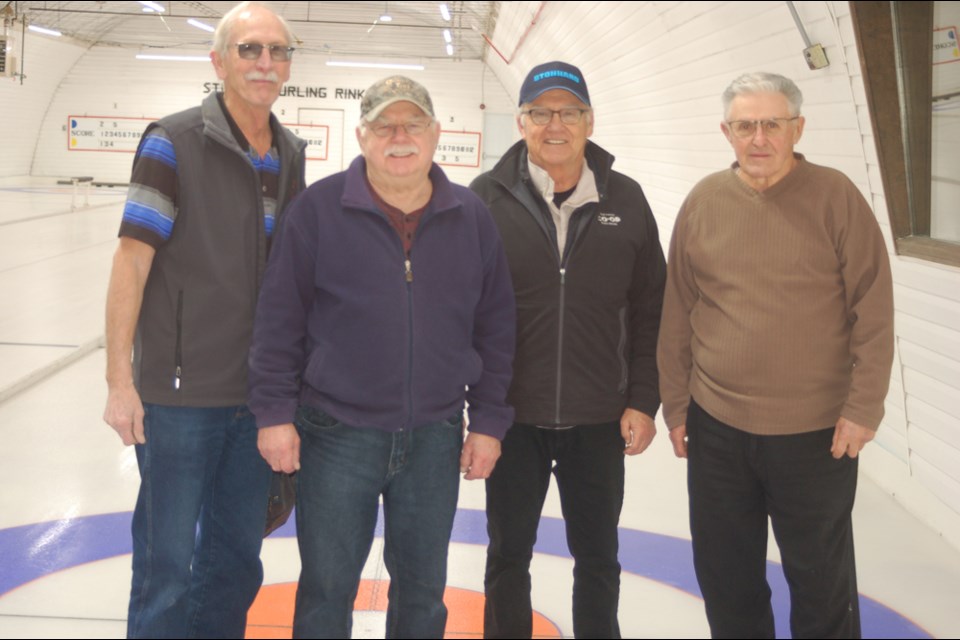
point(563, 275)
point(409, 270)
point(176, 379)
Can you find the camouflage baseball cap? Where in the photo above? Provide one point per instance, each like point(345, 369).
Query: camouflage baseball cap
point(385, 92)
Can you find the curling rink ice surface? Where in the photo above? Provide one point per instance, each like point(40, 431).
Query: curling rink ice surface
point(68, 485)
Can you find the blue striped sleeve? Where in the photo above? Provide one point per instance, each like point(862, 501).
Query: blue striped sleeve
point(151, 208)
point(149, 218)
point(158, 146)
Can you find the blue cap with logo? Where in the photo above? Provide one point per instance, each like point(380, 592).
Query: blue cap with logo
point(554, 75)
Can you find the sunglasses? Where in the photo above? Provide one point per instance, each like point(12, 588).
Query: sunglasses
point(252, 51)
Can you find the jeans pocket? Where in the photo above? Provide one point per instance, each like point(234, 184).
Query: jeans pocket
point(316, 419)
point(456, 420)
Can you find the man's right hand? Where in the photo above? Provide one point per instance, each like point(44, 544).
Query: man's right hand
point(124, 412)
point(678, 437)
point(280, 447)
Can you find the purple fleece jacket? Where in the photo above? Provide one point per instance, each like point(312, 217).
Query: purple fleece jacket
point(341, 325)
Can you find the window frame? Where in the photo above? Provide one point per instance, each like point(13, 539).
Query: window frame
point(895, 42)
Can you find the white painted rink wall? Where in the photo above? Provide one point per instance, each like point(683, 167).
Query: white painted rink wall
point(655, 71)
point(24, 105)
point(111, 83)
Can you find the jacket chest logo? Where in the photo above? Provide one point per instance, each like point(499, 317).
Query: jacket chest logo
point(609, 219)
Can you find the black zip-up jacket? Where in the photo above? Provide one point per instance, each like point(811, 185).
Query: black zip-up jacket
point(587, 322)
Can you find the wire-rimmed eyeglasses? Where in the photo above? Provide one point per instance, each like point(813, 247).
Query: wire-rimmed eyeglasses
point(772, 127)
point(388, 130)
point(542, 116)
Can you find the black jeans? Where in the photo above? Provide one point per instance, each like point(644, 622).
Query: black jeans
point(588, 464)
point(736, 480)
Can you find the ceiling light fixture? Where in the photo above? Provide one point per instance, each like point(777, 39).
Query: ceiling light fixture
point(44, 30)
point(200, 25)
point(386, 17)
point(376, 65)
point(173, 58)
point(449, 49)
point(445, 12)
point(447, 36)
point(155, 6)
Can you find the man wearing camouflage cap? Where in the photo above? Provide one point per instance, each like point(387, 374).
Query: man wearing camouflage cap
point(386, 305)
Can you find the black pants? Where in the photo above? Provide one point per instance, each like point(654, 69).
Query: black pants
point(589, 471)
point(736, 480)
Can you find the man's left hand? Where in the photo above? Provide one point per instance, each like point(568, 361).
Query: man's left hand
point(479, 456)
point(638, 430)
point(849, 438)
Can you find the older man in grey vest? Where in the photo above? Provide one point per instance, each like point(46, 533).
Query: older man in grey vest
point(208, 187)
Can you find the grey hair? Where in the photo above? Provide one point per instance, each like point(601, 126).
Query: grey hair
point(221, 37)
point(763, 82)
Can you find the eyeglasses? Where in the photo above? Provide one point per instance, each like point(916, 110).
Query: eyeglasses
point(387, 130)
point(252, 51)
point(542, 116)
point(772, 128)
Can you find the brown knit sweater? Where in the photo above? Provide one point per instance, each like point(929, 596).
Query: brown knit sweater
point(778, 312)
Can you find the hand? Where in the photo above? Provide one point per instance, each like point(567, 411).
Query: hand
point(638, 430)
point(678, 438)
point(280, 447)
point(479, 456)
point(849, 438)
point(124, 412)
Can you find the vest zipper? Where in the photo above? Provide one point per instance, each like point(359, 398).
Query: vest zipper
point(178, 355)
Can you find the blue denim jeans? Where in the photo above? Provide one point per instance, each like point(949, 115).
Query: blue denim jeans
point(198, 523)
point(344, 471)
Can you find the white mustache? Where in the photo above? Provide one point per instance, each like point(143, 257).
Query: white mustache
point(401, 150)
point(269, 76)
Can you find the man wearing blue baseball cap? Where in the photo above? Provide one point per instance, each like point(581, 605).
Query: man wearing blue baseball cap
point(588, 275)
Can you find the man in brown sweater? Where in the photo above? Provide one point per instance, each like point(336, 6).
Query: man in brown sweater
point(775, 350)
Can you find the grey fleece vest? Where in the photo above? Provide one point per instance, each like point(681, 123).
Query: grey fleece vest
point(196, 321)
